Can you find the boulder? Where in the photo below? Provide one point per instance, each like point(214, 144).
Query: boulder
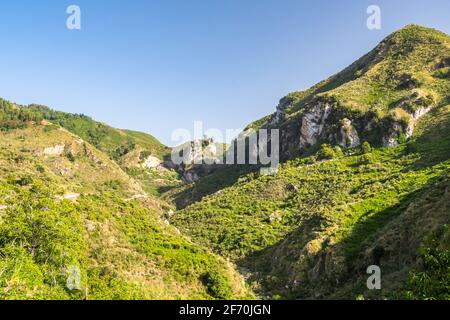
point(55, 151)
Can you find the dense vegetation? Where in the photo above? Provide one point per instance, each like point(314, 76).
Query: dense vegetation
point(13, 117)
point(432, 280)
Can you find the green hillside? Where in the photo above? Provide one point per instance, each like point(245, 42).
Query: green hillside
point(127, 148)
point(311, 230)
point(414, 60)
point(66, 206)
point(282, 227)
point(114, 142)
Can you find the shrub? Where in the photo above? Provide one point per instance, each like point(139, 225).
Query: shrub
point(433, 280)
point(123, 150)
point(113, 184)
point(311, 160)
point(365, 159)
point(402, 138)
point(24, 181)
point(144, 155)
point(443, 73)
point(411, 147)
point(338, 152)
point(326, 152)
point(39, 238)
point(70, 156)
point(366, 147)
point(19, 159)
point(217, 285)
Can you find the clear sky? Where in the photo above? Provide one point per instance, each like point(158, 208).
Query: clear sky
point(159, 65)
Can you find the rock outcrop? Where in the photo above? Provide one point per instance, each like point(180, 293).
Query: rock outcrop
point(279, 116)
point(349, 135)
point(200, 158)
point(391, 139)
point(151, 162)
point(325, 121)
point(313, 123)
point(55, 150)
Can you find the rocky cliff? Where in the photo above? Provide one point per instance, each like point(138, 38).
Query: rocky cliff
point(378, 99)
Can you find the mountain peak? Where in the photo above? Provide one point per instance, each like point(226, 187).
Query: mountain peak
point(417, 33)
point(382, 94)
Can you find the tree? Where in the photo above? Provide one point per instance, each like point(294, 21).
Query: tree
point(432, 281)
point(42, 234)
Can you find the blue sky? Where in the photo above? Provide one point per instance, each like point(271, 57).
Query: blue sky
point(159, 65)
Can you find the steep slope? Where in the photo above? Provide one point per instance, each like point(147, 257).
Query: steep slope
point(377, 99)
point(74, 225)
point(311, 230)
point(318, 223)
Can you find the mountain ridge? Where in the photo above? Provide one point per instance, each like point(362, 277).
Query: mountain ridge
point(358, 157)
point(384, 91)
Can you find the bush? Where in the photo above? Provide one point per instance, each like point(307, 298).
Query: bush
point(70, 156)
point(432, 282)
point(326, 152)
point(123, 150)
point(365, 159)
point(144, 155)
point(39, 239)
point(113, 184)
point(311, 160)
point(19, 159)
point(217, 285)
point(443, 73)
point(411, 147)
point(366, 147)
point(24, 181)
point(402, 138)
point(338, 152)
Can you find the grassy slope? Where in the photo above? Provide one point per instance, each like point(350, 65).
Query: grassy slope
point(374, 87)
point(125, 147)
point(280, 227)
point(122, 247)
point(310, 226)
point(376, 82)
point(105, 138)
